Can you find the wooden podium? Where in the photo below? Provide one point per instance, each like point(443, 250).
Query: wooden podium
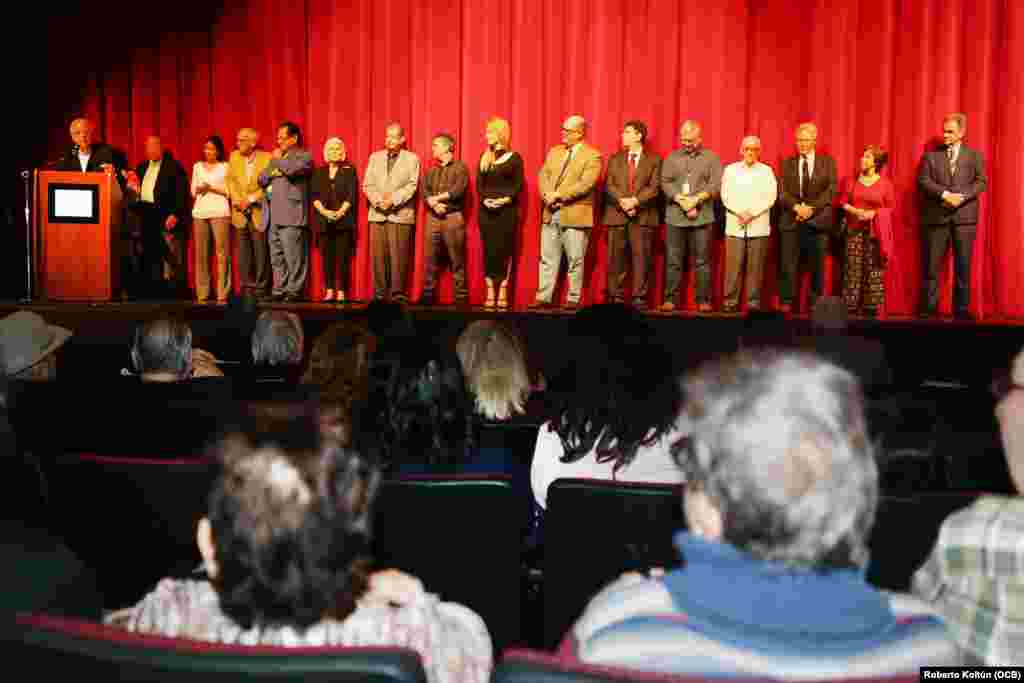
point(78, 235)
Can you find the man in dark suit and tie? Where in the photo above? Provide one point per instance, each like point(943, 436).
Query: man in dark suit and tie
point(950, 180)
point(805, 222)
point(631, 212)
point(163, 210)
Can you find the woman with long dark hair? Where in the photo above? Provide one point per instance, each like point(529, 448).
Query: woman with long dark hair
point(212, 214)
point(615, 421)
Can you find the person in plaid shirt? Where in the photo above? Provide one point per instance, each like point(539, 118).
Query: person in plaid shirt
point(975, 573)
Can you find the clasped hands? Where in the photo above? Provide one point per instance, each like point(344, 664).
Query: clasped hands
point(864, 214)
point(688, 204)
point(803, 212)
point(953, 199)
point(437, 205)
point(552, 199)
point(334, 215)
point(385, 202)
point(629, 205)
point(496, 202)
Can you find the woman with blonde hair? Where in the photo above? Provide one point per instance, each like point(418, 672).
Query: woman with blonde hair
point(499, 181)
point(493, 359)
point(334, 198)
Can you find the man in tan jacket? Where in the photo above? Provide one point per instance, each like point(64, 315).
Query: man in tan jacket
point(567, 182)
point(244, 168)
point(390, 182)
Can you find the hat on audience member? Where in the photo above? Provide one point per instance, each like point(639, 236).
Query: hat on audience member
point(26, 339)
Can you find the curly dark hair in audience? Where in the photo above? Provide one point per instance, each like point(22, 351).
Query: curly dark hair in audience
point(419, 409)
point(624, 391)
point(290, 515)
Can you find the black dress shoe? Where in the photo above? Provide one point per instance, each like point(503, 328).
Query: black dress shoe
point(926, 313)
point(570, 305)
point(291, 298)
point(539, 305)
point(964, 315)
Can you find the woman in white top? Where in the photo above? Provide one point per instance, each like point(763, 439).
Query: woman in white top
point(212, 213)
point(618, 421)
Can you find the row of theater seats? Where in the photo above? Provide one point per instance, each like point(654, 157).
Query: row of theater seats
point(55, 648)
point(133, 522)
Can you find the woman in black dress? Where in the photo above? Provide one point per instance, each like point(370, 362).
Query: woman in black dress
point(334, 198)
point(498, 182)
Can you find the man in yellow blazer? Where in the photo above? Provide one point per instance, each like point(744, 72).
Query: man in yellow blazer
point(567, 182)
point(244, 168)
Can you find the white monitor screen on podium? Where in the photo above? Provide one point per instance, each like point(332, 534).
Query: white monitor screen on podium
point(73, 203)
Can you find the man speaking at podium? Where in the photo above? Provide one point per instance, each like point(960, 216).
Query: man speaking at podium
point(85, 155)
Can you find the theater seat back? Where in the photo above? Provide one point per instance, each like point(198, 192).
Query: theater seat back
point(596, 530)
point(133, 520)
point(460, 536)
point(53, 649)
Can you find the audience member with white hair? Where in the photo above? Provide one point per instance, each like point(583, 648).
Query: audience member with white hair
point(781, 493)
point(975, 574)
point(748, 193)
point(278, 342)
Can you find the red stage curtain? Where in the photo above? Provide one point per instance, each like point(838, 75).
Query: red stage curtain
point(879, 71)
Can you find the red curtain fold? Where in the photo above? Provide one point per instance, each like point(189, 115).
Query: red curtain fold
point(879, 71)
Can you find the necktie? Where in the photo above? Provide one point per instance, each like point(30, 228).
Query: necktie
point(565, 167)
point(803, 174)
point(952, 161)
point(632, 173)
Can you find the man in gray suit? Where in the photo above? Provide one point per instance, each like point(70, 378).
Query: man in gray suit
point(950, 179)
point(390, 182)
point(286, 178)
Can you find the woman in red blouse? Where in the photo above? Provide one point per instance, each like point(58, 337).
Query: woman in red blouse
point(867, 201)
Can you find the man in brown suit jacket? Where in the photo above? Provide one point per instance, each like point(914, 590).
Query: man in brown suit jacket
point(567, 182)
point(390, 182)
point(631, 212)
point(244, 168)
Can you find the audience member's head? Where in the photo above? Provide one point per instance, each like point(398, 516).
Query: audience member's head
point(162, 351)
point(418, 409)
point(1010, 413)
point(28, 346)
point(277, 339)
point(493, 358)
point(623, 389)
point(829, 314)
point(339, 367)
point(778, 461)
point(288, 525)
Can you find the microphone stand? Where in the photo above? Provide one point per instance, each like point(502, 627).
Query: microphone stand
point(26, 176)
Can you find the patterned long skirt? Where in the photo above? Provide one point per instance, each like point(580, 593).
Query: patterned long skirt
point(864, 279)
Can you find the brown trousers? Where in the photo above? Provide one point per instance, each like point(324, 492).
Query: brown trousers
point(738, 250)
point(637, 239)
point(221, 229)
point(451, 232)
point(391, 244)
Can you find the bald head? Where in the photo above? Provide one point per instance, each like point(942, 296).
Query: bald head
point(394, 137)
point(574, 129)
point(82, 133)
point(691, 136)
point(154, 148)
point(246, 140)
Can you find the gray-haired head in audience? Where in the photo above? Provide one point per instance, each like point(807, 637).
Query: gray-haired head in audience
point(162, 350)
point(277, 339)
point(778, 452)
